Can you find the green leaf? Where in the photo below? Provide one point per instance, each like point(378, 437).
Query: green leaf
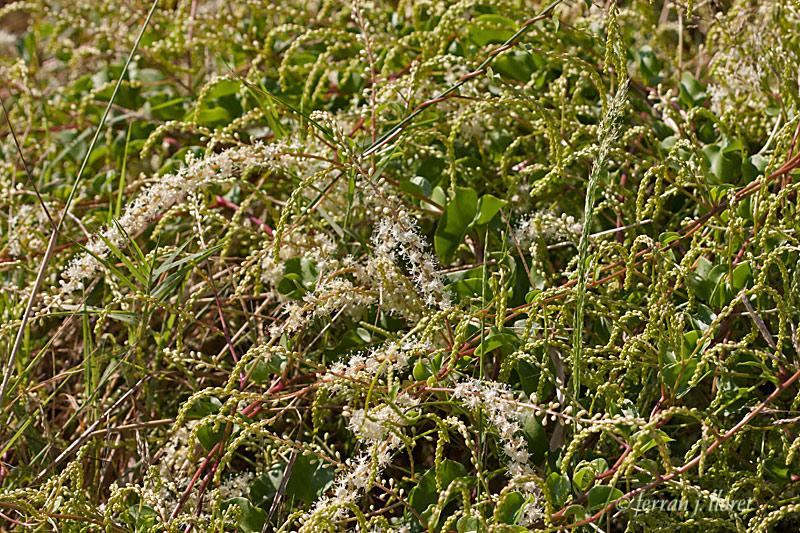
point(497, 339)
point(528, 376)
point(777, 469)
point(576, 512)
point(488, 29)
point(299, 277)
point(705, 279)
point(144, 517)
point(438, 195)
point(652, 443)
point(516, 65)
point(668, 237)
point(207, 405)
point(742, 275)
point(351, 339)
point(692, 92)
point(111, 267)
point(582, 478)
point(213, 115)
point(417, 185)
point(507, 508)
point(602, 495)
point(678, 372)
point(720, 294)
point(251, 518)
point(725, 166)
point(264, 369)
point(222, 87)
point(422, 369)
point(488, 207)
point(183, 266)
point(559, 487)
point(270, 113)
point(209, 437)
point(649, 65)
point(310, 477)
point(264, 486)
point(468, 524)
point(754, 166)
point(535, 436)
point(453, 225)
point(425, 494)
point(282, 102)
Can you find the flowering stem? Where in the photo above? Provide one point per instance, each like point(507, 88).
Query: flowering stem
point(9, 367)
point(444, 95)
point(694, 462)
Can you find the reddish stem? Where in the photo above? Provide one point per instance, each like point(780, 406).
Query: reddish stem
point(691, 464)
point(224, 202)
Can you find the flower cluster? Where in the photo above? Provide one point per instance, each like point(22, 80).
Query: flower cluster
point(376, 425)
point(505, 415)
point(348, 487)
point(163, 194)
point(364, 367)
point(396, 293)
point(376, 430)
point(398, 233)
point(548, 227)
point(331, 295)
point(26, 230)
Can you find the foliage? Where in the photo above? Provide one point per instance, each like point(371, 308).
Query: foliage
point(399, 266)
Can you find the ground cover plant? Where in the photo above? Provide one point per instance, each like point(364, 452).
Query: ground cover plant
point(474, 265)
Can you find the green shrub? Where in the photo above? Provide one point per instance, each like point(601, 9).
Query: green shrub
point(399, 266)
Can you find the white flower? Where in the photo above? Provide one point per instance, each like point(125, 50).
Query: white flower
point(365, 367)
point(548, 227)
point(504, 414)
point(331, 295)
point(349, 485)
point(163, 194)
point(376, 425)
point(399, 233)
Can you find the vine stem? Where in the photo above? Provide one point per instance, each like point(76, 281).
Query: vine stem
point(694, 462)
point(447, 93)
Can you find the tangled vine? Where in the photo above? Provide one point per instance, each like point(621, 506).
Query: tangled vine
point(472, 265)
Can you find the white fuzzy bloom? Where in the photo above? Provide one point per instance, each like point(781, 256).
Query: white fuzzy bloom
point(548, 227)
point(331, 295)
point(236, 486)
point(505, 415)
point(336, 294)
point(399, 234)
point(7, 40)
point(25, 229)
point(364, 367)
point(350, 485)
point(153, 201)
point(375, 426)
point(271, 270)
point(395, 291)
